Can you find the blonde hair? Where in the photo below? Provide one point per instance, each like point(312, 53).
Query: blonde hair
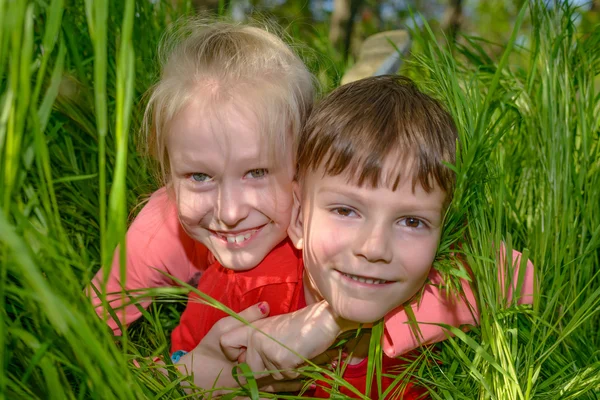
point(206, 57)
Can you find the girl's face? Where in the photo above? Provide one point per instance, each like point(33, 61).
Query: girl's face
point(230, 195)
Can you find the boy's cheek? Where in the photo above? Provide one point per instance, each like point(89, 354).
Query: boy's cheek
point(325, 242)
point(418, 259)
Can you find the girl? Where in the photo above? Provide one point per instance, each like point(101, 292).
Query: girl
point(235, 78)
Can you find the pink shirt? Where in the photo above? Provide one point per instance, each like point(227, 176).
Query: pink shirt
point(156, 242)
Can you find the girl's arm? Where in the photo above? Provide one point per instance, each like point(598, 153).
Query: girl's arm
point(156, 244)
point(209, 368)
point(435, 306)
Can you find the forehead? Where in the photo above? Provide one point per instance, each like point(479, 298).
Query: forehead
point(397, 186)
point(205, 128)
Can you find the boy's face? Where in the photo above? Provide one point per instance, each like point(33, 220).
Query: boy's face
point(229, 195)
point(366, 251)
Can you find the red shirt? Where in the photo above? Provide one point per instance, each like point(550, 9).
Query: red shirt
point(277, 280)
point(356, 376)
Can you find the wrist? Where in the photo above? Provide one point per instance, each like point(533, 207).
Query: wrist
point(340, 324)
point(346, 325)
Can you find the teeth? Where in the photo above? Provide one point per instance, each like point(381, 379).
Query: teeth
point(237, 238)
point(369, 281)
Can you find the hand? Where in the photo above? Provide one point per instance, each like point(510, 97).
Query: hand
point(209, 366)
point(309, 332)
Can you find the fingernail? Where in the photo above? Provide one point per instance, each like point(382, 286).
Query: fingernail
point(312, 386)
point(263, 307)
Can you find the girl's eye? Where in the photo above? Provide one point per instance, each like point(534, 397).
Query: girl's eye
point(412, 222)
point(343, 211)
point(257, 173)
point(200, 177)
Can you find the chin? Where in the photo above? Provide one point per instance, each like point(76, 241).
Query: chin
point(241, 265)
point(242, 268)
point(361, 315)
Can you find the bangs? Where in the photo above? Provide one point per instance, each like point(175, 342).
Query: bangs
point(379, 132)
point(384, 164)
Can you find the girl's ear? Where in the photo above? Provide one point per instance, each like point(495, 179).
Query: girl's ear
point(295, 231)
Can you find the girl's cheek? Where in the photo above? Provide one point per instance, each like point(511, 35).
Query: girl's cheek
point(184, 206)
point(191, 206)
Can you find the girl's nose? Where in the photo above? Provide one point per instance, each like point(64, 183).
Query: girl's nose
point(232, 205)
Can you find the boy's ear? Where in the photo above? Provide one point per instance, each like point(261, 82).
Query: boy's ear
point(295, 231)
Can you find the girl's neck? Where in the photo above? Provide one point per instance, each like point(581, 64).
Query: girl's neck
point(311, 293)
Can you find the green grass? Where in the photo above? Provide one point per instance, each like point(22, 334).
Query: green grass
point(71, 85)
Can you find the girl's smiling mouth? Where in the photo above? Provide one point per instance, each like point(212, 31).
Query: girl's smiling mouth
point(238, 237)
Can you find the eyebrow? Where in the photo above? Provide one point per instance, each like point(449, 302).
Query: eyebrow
point(334, 190)
point(412, 206)
point(190, 157)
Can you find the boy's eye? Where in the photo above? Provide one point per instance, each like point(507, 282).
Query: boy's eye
point(257, 173)
point(200, 177)
point(343, 211)
point(412, 222)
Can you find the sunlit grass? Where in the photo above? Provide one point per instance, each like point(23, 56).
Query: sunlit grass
point(71, 83)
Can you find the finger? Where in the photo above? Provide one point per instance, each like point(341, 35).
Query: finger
point(250, 314)
point(280, 372)
point(234, 338)
point(242, 357)
point(290, 374)
point(283, 386)
point(272, 368)
point(256, 364)
point(328, 356)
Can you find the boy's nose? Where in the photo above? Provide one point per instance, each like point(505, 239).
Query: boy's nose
point(232, 205)
point(374, 244)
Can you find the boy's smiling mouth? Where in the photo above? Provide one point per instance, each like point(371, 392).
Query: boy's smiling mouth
point(364, 279)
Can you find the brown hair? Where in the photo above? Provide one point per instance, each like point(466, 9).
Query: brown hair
point(219, 60)
point(359, 125)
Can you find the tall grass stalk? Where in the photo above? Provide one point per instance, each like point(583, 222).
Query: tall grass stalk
point(97, 15)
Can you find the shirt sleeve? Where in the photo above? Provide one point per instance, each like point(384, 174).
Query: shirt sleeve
point(156, 245)
point(436, 306)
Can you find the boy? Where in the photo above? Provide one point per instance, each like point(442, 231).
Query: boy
point(369, 202)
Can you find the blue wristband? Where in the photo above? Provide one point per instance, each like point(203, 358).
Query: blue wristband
point(177, 355)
